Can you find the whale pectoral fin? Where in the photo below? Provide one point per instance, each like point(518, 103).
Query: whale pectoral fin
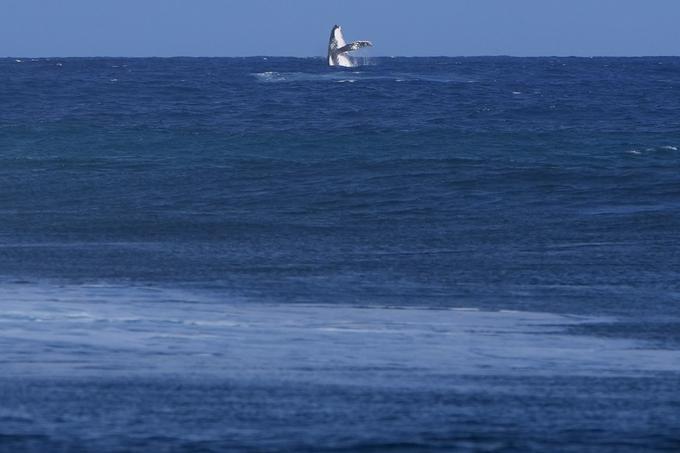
point(356, 45)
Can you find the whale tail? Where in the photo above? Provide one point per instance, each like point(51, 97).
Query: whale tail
point(338, 49)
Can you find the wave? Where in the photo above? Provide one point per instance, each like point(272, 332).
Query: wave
point(192, 325)
point(651, 149)
point(355, 76)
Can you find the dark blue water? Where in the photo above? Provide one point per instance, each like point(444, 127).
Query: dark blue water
point(543, 185)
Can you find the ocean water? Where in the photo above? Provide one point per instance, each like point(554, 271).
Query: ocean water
point(266, 254)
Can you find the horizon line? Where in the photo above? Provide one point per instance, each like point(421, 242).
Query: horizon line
point(323, 57)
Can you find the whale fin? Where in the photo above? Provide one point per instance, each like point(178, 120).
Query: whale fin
point(356, 45)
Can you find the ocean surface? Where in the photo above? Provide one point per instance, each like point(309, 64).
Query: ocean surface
point(266, 254)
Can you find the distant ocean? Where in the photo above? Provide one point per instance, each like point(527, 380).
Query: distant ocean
point(266, 254)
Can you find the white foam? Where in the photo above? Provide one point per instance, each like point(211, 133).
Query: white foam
point(146, 331)
point(336, 76)
point(270, 76)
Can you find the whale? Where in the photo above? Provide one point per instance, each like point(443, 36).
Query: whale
point(338, 49)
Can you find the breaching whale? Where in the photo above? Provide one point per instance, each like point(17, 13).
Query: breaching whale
point(338, 48)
